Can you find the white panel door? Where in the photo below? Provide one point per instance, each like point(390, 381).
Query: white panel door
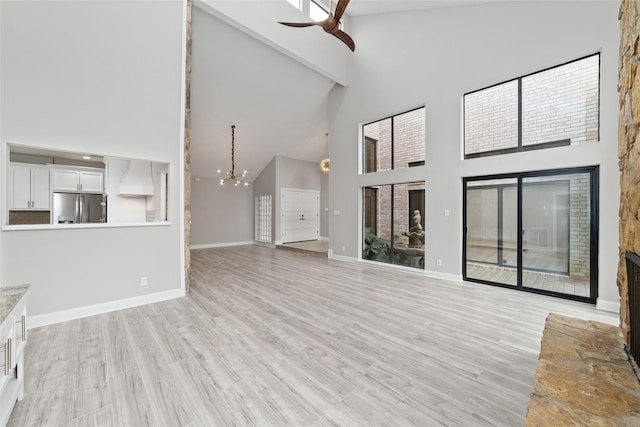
point(300, 213)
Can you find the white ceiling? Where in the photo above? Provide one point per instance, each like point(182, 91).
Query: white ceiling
point(371, 7)
point(278, 105)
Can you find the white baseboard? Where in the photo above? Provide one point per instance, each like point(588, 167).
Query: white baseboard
point(106, 307)
point(604, 305)
point(265, 244)
point(331, 255)
point(433, 274)
point(221, 245)
point(326, 238)
point(444, 276)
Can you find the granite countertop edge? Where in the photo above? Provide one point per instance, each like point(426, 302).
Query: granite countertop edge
point(10, 296)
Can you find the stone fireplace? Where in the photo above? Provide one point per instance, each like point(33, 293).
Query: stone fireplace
point(628, 151)
point(633, 285)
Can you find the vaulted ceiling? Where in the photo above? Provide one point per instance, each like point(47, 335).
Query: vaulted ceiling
point(277, 97)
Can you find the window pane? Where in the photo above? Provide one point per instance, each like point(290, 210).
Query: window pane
point(377, 146)
point(316, 12)
point(393, 222)
point(556, 214)
point(408, 224)
point(491, 119)
point(408, 138)
point(492, 239)
point(377, 223)
point(561, 104)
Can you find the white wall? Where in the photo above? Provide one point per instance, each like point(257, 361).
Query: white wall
point(329, 56)
point(101, 77)
point(433, 57)
point(293, 173)
point(220, 215)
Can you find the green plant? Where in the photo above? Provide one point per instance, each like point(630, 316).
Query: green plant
point(375, 248)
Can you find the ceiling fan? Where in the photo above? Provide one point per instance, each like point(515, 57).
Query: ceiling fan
point(330, 25)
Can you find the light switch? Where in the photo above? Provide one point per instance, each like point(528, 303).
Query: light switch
point(446, 212)
point(336, 212)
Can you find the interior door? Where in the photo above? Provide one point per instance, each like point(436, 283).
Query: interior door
point(300, 212)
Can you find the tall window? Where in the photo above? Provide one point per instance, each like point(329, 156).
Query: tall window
point(555, 107)
point(394, 142)
point(393, 222)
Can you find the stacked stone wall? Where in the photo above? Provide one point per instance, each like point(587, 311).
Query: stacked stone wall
point(628, 147)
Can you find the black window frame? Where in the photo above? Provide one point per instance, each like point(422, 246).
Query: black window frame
point(366, 138)
point(594, 227)
point(520, 148)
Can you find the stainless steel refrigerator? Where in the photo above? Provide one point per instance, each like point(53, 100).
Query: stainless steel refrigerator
point(74, 208)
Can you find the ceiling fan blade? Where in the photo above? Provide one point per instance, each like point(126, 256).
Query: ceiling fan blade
point(299, 24)
point(344, 37)
point(342, 5)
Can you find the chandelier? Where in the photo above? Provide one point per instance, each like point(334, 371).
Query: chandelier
point(231, 175)
point(324, 163)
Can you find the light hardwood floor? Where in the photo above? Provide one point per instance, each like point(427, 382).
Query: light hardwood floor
point(280, 338)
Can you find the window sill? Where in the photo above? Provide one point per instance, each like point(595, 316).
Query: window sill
point(77, 226)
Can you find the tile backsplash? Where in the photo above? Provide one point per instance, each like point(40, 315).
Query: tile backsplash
point(28, 217)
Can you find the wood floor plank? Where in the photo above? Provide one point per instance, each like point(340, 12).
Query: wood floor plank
point(278, 338)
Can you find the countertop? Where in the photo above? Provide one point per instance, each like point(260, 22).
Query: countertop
point(9, 298)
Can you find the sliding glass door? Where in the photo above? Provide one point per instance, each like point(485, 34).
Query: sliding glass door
point(492, 220)
point(534, 231)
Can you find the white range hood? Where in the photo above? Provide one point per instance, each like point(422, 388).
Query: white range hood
point(137, 180)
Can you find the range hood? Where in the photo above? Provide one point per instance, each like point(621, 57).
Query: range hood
point(137, 180)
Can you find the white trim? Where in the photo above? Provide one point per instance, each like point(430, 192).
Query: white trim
point(278, 242)
point(264, 244)
point(106, 307)
point(457, 278)
point(427, 273)
point(611, 306)
point(84, 225)
point(325, 238)
point(221, 245)
point(343, 258)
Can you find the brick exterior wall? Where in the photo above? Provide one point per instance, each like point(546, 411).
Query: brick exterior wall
point(491, 118)
point(557, 104)
point(561, 103)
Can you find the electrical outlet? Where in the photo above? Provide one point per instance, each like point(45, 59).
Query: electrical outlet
point(143, 281)
point(439, 262)
point(344, 248)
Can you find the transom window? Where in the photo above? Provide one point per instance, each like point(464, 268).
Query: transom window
point(554, 107)
point(394, 142)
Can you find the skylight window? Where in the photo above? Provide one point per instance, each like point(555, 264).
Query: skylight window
point(296, 3)
point(317, 11)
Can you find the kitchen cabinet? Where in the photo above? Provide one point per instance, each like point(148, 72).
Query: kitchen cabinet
point(13, 338)
point(77, 180)
point(29, 187)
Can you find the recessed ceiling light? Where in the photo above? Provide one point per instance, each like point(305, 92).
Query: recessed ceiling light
point(86, 157)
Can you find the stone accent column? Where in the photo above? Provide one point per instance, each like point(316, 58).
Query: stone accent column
point(628, 146)
point(187, 151)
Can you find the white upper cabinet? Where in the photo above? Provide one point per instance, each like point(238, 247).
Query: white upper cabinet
point(29, 187)
point(71, 180)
